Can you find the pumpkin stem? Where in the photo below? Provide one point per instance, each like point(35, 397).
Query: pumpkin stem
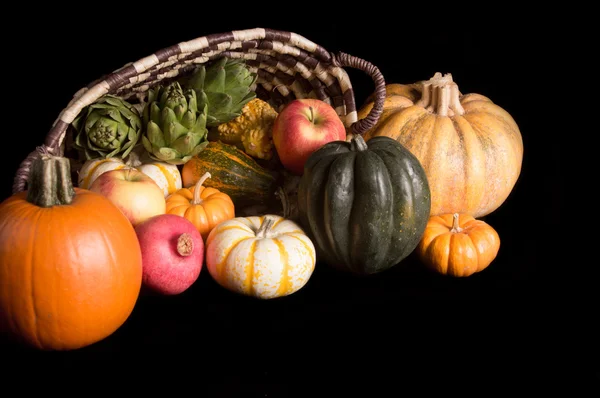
point(50, 181)
point(197, 200)
point(265, 227)
point(358, 143)
point(133, 160)
point(441, 95)
point(185, 244)
point(455, 227)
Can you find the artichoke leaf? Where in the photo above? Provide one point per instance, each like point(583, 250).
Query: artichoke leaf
point(186, 143)
point(215, 79)
point(155, 135)
point(174, 132)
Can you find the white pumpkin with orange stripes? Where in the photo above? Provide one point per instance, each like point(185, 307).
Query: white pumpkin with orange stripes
point(166, 176)
point(264, 257)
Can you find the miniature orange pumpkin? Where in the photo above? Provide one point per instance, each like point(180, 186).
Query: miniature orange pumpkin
point(458, 244)
point(70, 262)
point(205, 207)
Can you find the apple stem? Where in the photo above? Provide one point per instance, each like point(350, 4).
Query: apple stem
point(265, 227)
point(312, 115)
point(185, 244)
point(455, 227)
point(197, 189)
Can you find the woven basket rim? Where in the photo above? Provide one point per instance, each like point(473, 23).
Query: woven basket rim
point(288, 46)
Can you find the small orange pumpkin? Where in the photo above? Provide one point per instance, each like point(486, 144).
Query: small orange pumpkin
point(458, 244)
point(205, 207)
point(70, 262)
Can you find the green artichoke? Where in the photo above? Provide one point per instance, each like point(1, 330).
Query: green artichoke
point(225, 86)
point(109, 127)
point(175, 129)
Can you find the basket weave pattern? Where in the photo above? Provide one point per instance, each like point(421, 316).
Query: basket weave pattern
point(288, 65)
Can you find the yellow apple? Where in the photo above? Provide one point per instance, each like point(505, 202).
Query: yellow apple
point(302, 127)
point(133, 192)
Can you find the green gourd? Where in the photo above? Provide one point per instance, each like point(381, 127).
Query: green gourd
point(365, 205)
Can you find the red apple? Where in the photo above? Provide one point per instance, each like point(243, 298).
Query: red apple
point(133, 192)
point(302, 127)
point(172, 253)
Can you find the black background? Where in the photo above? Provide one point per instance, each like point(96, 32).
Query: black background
point(335, 318)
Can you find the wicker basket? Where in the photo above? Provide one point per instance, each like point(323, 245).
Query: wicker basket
point(288, 66)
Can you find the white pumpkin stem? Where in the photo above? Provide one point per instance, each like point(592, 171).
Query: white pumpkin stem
point(441, 95)
point(265, 227)
point(197, 200)
point(185, 244)
point(133, 160)
point(455, 226)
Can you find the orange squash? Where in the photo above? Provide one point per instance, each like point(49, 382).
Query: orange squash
point(70, 262)
point(471, 149)
point(204, 207)
point(458, 245)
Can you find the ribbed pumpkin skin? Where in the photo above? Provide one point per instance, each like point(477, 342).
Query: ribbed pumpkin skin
point(70, 275)
point(215, 208)
point(472, 160)
point(232, 172)
point(458, 245)
point(365, 210)
point(166, 176)
point(264, 267)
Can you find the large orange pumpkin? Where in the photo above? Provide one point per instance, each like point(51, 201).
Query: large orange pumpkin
point(471, 149)
point(70, 262)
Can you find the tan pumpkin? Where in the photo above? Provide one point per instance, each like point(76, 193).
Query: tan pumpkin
point(458, 245)
point(263, 257)
point(471, 149)
point(166, 176)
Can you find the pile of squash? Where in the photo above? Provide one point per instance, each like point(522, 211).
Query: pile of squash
point(418, 182)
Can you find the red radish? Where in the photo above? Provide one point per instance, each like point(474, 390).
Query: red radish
point(172, 253)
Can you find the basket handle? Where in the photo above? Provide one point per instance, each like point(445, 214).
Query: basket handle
point(345, 60)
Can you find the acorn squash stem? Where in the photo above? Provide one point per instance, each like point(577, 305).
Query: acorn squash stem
point(441, 95)
point(358, 143)
point(197, 200)
point(50, 181)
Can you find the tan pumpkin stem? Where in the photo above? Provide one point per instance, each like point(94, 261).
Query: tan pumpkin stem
point(197, 200)
point(185, 244)
point(265, 227)
point(50, 181)
point(441, 95)
point(455, 226)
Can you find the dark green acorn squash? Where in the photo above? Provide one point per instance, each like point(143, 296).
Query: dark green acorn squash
point(365, 205)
